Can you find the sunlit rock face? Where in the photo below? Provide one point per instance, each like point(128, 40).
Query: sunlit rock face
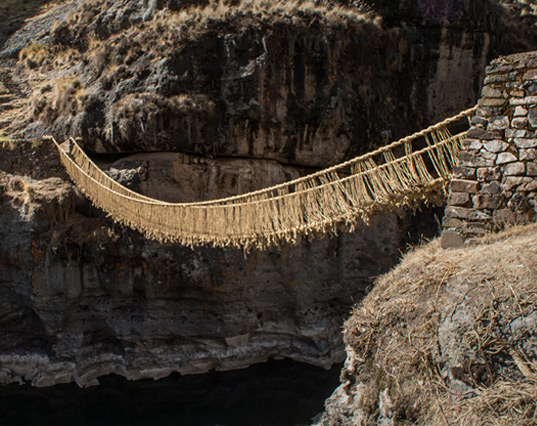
point(303, 85)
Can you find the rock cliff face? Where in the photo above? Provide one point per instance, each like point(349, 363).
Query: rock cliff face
point(300, 83)
point(190, 106)
point(82, 297)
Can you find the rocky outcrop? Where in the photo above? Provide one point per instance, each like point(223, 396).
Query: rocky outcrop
point(447, 337)
point(299, 83)
point(13, 39)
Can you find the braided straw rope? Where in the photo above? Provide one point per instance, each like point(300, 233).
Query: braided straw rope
point(339, 197)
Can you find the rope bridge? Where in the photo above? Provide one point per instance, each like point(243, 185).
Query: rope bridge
point(404, 173)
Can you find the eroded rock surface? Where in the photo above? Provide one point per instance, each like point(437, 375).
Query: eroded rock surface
point(177, 177)
point(82, 297)
point(300, 83)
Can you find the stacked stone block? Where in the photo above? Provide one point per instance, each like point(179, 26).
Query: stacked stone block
point(495, 180)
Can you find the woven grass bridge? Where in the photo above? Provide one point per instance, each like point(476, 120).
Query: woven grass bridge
point(407, 172)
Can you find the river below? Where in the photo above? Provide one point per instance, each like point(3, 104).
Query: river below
point(277, 393)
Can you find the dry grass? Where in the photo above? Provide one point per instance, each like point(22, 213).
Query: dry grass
point(200, 18)
point(396, 334)
point(66, 95)
point(502, 404)
point(36, 55)
point(188, 22)
point(47, 56)
point(67, 90)
point(99, 57)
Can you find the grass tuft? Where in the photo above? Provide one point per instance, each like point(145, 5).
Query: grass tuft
point(201, 17)
point(35, 55)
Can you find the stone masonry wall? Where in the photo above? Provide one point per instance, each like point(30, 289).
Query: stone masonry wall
point(495, 180)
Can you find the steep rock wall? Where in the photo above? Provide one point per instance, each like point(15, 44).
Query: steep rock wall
point(304, 85)
point(82, 297)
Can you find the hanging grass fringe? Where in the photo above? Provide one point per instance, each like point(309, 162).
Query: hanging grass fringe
point(404, 173)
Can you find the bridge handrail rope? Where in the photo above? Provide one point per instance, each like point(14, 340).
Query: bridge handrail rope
point(338, 197)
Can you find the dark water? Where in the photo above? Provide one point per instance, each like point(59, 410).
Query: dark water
point(278, 393)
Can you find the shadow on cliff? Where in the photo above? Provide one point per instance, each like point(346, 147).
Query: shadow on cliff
point(511, 22)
